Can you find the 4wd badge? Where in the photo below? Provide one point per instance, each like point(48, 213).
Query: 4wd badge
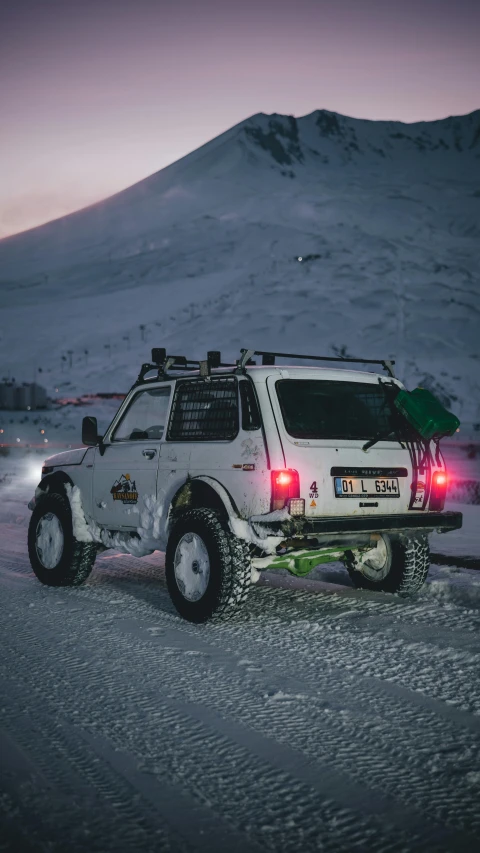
point(125, 490)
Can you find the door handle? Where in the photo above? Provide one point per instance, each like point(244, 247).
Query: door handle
point(149, 453)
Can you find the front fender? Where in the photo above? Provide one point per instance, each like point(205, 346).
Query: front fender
point(57, 480)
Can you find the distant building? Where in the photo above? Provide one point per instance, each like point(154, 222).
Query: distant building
point(38, 396)
point(7, 396)
point(29, 395)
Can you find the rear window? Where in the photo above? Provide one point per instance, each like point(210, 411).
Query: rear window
point(313, 408)
point(250, 412)
point(204, 411)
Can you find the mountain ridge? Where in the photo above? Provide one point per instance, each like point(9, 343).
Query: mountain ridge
point(206, 253)
point(331, 125)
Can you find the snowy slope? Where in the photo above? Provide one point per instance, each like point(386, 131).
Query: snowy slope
point(386, 217)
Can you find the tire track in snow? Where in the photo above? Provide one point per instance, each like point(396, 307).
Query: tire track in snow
point(258, 815)
point(162, 599)
point(376, 683)
point(174, 802)
point(274, 638)
point(73, 784)
point(400, 748)
point(145, 655)
point(414, 654)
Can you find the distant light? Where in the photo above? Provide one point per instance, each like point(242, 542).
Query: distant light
point(1, 431)
point(42, 432)
point(17, 439)
point(458, 430)
point(45, 440)
point(56, 390)
point(299, 259)
point(35, 473)
point(28, 408)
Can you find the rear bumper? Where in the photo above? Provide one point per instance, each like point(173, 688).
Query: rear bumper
point(420, 522)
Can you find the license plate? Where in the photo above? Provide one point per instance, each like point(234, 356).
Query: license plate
point(366, 487)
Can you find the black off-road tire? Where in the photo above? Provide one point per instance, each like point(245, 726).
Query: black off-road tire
point(230, 566)
point(77, 558)
point(410, 562)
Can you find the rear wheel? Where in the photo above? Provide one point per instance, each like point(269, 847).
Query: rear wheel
point(207, 568)
point(401, 566)
point(56, 557)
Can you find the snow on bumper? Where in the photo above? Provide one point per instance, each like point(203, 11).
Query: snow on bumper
point(420, 522)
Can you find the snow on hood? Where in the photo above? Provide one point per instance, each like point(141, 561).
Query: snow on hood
point(68, 457)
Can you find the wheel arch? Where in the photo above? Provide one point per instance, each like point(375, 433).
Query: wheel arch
point(203, 492)
point(55, 480)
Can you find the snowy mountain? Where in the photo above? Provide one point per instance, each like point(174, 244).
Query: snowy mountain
point(205, 254)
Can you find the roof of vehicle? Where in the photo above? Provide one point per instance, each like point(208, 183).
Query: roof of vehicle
point(286, 371)
point(260, 373)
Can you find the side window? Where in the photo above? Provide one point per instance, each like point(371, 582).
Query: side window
point(250, 412)
point(204, 411)
point(145, 417)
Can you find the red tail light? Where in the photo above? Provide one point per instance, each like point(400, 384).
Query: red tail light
point(439, 491)
point(285, 485)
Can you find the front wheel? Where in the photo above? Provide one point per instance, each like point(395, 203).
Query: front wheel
point(56, 557)
point(207, 568)
point(404, 570)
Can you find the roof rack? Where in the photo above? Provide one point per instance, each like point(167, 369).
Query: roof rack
point(268, 358)
point(163, 363)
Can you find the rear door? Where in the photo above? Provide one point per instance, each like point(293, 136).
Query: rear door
point(324, 425)
point(211, 434)
point(125, 472)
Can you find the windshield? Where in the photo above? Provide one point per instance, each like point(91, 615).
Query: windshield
point(314, 408)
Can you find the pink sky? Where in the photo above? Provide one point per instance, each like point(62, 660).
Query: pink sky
point(97, 95)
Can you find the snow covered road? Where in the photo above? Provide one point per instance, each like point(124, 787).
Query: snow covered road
point(322, 718)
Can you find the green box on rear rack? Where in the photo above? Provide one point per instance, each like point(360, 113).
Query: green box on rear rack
point(426, 414)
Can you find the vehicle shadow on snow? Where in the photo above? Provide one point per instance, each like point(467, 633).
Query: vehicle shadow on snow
point(140, 578)
point(143, 579)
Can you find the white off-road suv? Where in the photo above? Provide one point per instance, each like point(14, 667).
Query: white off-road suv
point(234, 469)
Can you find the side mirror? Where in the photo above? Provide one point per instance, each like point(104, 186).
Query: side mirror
point(90, 431)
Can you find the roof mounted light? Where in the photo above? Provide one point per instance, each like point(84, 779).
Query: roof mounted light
point(159, 355)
